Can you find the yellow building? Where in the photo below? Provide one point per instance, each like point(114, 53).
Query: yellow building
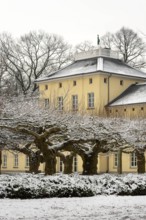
point(96, 83)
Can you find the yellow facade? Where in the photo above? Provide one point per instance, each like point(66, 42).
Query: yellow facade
point(106, 163)
point(104, 87)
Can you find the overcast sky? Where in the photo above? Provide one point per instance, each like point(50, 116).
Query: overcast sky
point(75, 20)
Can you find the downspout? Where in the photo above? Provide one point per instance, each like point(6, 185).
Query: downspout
point(108, 100)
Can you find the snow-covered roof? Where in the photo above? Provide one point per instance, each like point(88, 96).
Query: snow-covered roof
point(98, 64)
point(134, 94)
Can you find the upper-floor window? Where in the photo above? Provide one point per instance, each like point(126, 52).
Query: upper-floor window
point(90, 81)
point(74, 83)
point(105, 80)
point(142, 108)
point(91, 100)
point(4, 160)
point(27, 161)
point(133, 160)
point(121, 82)
point(60, 85)
point(16, 162)
point(60, 103)
point(46, 87)
point(74, 102)
point(46, 103)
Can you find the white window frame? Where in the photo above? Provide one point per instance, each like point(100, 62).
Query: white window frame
point(74, 102)
point(133, 160)
point(115, 159)
point(27, 161)
point(4, 160)
point(91, 100)
point(60, 103)
point(16, 160)
point(75, 164)
point(46, 102)
point(61, 165)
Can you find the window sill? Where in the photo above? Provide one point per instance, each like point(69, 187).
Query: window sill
point(15, 167)
point(92, 108)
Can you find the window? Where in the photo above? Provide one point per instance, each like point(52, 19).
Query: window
point(116, 110)
point(142, 108)
point(90, 81)
point(115, 160)
point(133, 109)
point(125, 110)
point(91, 100)
point(15, 160)
point(105, 80)
point(27, 161)
point(46, 87)
point(133, 161)
point(4, 160)
point(60, 85)
point(74, 83)
point(61, 166)
point(74, 102)
point(75, 164)
point(46, 103)
point(60, 103)
point(121, 82)
point(110, 111)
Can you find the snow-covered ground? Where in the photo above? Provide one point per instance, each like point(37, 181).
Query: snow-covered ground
point(91, 208)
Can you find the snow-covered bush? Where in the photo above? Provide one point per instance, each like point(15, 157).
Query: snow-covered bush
point(25, 186)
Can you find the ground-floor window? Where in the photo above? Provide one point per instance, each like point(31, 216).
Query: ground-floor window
point(61, 166)
point(4, 160)
point(75, 164)
point(133, 160)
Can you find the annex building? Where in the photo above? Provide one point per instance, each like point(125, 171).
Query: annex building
point(97, 83)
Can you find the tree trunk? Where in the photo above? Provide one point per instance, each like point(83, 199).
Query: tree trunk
point(50, 165)
point(0, 161)
point(33, 165)
point(90, 164)
point(119, 167)
point(68, 164)
point(140, 161)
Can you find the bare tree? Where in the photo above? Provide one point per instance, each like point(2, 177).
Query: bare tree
point(33, 55)
point(129, 44)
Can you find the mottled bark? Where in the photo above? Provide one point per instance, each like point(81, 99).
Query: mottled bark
point(140, 161)
point(0, 160)
point(68, 164)
point(119, 167)
point(50, 164)
point(90, 164)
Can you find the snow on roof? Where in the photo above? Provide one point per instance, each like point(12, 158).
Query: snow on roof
point(134, 94)
point(95, 65)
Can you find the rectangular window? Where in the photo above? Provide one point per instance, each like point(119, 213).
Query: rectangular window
point(60, 103)
point(16, 160)
point(90, 81)
point(4, 160)
point(133, 158)
point(121, 82)
point(115, 160)
point(74, 83)
point(91, 100)
point(27, 161)
point(75, 164)
point(60, 85)
point(105, 80)
point(46, 103)
point(74, 102)
point(46, 87)
point(61, 167)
